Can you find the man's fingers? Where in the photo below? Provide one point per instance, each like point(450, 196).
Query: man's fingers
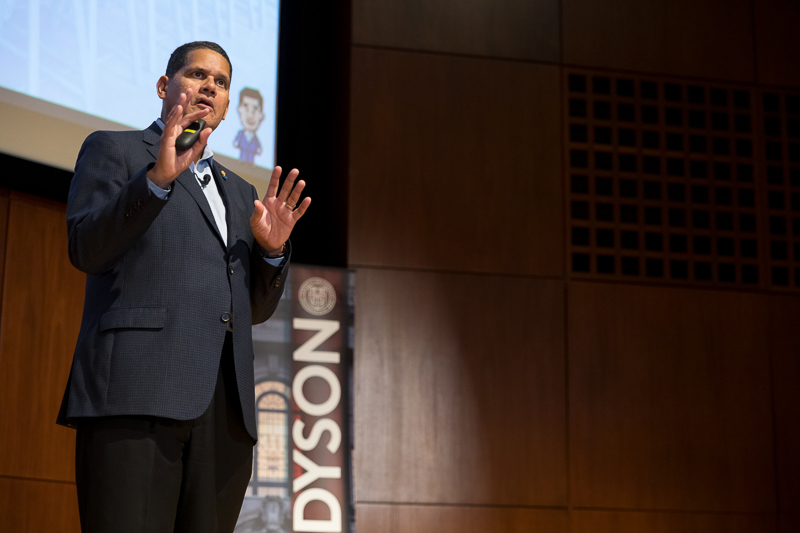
point(258, 212)
point(287, 185)
point(199, 147)
point(173, 117)
point(204, 135)
point(191, 117)
point(294, 197)
point(176, 116)
point(176, 112)
point(272, 190)
point(286, 189)
point(301, 209)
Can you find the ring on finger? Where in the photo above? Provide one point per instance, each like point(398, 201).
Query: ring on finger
point(288, 206)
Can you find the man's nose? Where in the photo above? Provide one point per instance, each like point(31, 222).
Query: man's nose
point(209, 86)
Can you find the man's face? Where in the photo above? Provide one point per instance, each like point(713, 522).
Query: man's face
point(250, 113)
point(207, 74)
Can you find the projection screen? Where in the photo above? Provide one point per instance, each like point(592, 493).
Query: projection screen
point(74, 66)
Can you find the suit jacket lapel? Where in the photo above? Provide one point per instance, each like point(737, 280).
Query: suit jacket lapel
point(187, 180)
point(151, 136)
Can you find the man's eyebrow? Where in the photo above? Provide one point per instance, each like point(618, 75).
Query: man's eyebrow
point(204, 71)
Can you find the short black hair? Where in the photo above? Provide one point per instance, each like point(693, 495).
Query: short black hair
point(252, 93)
point(178, 58)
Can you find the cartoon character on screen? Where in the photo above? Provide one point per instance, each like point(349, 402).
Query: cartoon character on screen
point(251, 114)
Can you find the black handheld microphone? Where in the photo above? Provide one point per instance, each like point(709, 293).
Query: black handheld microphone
point(190, 135)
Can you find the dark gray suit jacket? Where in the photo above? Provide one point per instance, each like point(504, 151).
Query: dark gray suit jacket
point(161, 285)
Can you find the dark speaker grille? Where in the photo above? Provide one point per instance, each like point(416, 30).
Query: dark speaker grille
point(677, 181)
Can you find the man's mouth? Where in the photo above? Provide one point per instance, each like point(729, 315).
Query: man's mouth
point(204, 103)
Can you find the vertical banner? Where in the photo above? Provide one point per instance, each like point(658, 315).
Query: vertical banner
point(301, 480)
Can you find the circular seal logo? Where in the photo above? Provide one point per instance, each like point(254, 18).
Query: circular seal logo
point(317, 296)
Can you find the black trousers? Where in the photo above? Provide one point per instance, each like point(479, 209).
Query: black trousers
point(143, 474)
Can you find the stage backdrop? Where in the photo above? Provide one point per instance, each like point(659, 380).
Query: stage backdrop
point(301, 477)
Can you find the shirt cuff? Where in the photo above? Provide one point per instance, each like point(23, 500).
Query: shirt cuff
point(275, 261)
point(158, 191)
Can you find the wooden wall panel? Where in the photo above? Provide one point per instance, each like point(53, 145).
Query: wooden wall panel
point(708, 39)
point(372, 518)
point(459, 389)
point(28, 506)
point(4, 200)
point(785, 348)
point(788, 523)
point(519, 29)
point(42, 304)
point(670, 402)
point(777, 42)
point(636, 522)
point(455, 164)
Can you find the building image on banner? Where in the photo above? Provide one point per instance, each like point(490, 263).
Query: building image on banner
point(301, 479)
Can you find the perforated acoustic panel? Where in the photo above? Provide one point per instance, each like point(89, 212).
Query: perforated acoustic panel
point(682, 182)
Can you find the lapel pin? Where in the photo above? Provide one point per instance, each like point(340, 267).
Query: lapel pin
point(223, 174)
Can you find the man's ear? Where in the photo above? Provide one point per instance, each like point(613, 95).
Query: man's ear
point(161, 87)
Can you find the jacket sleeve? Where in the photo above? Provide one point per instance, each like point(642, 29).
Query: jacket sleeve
point(109, 206)
point(267, 281)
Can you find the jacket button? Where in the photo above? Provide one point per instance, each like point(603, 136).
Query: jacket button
point(225, 317)
point(276, 282)
point(230, 269)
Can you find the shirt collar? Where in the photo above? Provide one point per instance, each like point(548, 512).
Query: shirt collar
point(207, 153)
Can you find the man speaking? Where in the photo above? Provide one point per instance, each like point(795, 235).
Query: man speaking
point(181, 259)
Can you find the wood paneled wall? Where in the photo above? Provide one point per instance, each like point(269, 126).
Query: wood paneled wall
point(42, 300)
point(465, 399)
point(777, 42)
point(669, 399)
point(517, 29)
point(705, 39)
point(494, 390)
point(437, 168)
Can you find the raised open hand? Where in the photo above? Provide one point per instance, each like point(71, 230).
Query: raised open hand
point(274, 217)
point(170, 161)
